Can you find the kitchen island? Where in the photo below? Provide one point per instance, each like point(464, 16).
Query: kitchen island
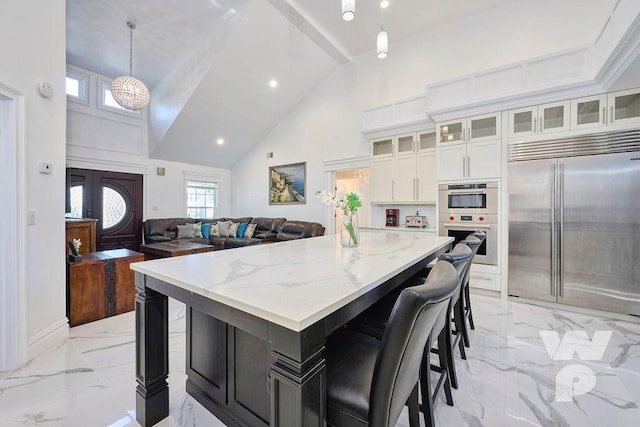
point(257, 319)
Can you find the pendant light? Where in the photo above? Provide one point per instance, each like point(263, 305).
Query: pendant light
point(348, 10)
point(127, 91)
point(382, 41)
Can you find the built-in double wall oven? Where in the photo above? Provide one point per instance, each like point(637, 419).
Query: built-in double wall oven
point(468, 207)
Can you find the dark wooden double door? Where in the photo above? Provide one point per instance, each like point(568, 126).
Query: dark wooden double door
point(98, 190)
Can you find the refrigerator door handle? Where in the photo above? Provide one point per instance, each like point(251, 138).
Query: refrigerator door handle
point(561, 231)
point(553, 230)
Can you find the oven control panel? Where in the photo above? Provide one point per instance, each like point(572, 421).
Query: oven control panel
point(473, 219)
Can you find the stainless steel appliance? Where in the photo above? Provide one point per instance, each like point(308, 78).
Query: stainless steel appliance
point(417, 221)
point(574, 221)
point(469, 207)
point(393, 217)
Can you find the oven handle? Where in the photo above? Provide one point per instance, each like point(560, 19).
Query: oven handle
point(488, 227)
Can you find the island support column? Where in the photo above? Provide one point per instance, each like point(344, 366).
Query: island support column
point(298, 377)
point(152, 354)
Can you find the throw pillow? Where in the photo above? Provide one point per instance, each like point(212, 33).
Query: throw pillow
point(185, 231)
point(233, 229)
point(251, 228)
point(197, 229)
point(205, 230)
point(215, 231)
point(223, 228)
point(242, 228)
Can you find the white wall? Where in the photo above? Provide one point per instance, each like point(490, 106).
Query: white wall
point(165, 195)
point(33, 49)
point(327, 123)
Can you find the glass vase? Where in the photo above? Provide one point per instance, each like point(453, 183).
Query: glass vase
point(349, 231)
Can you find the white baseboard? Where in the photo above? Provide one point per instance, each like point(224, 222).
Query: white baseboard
point(48, 338)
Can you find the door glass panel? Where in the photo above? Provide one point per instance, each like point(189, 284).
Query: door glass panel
point(427, 140)
point(553, 117)
point(451, 132)
point(76, 201)
point(382, 147)
point(405, 144)
point(523, 122)
point(113, 207)
point(483, 127)
point(628, 106)
point(588, 112)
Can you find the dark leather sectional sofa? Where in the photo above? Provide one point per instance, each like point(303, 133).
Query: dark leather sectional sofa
point(267, 230)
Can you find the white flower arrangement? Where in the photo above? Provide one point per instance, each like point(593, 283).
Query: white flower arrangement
point(349, 203)
point(76, 244)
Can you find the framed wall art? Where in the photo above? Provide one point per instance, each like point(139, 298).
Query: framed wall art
point(287, 184)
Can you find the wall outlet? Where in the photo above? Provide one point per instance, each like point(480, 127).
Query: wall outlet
point(45, 168)
point(31, 218)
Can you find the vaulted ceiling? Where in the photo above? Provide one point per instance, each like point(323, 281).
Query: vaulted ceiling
point(208, 62)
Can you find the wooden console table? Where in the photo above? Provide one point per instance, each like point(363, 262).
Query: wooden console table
point(83, 229)
point(101, 285)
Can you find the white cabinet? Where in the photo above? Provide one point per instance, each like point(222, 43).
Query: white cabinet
point(589, 112)
point(470, 129)
point(469, 148)
point(539, 119)
point(406, 174)
point(624, 107)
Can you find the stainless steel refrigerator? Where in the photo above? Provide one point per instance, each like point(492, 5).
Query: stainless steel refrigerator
point(574, 221)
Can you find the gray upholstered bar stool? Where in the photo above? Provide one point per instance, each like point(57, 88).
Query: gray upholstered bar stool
point(369, 381)
point(463, 311)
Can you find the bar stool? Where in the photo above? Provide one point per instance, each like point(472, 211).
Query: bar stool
point(368, 380)
point(463, 309)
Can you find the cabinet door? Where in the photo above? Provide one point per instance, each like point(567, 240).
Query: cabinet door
point(405, 144)
point(426, 140)
point(553, 117)
point(484, 159)
point(588, 112)
point(381, 176)
point(382, 148)
point(426, 177)
point(405, 182)
point(523, 121)
point(483, 128)
point(451, 162)
point(624, 107)
point(451, 132)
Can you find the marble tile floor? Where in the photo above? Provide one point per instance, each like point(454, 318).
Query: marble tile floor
point(508, 379)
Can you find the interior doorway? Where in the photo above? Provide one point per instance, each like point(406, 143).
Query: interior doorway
point(356, 180)
point(113, 198)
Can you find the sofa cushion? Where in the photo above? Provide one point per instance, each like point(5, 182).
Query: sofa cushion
point(267, 224)
point(217, 241)
point(233, 229)
point(240, 220)
point(205, 229)
point(291, 230)
point(238, 242)
point(156, 239)
point(197, 229)
point(185, 231)
point(157, 227)
point(250, 230)
point(241, 229)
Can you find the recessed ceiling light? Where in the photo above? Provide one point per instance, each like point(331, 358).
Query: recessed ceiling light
point(384, 4)
point(220, 141)
point(273, 83)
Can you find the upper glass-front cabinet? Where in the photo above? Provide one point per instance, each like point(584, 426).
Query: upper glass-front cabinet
point(539, 119)
point(624, 107)
point(382, 147)
point(406, 144)
point(589, 112)
point(478, 128)
point(426, 140)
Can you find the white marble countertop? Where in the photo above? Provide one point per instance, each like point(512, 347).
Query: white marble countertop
point(298, 282)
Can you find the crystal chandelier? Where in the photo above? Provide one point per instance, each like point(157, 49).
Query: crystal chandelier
point(127, 91)
point(348, 10)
